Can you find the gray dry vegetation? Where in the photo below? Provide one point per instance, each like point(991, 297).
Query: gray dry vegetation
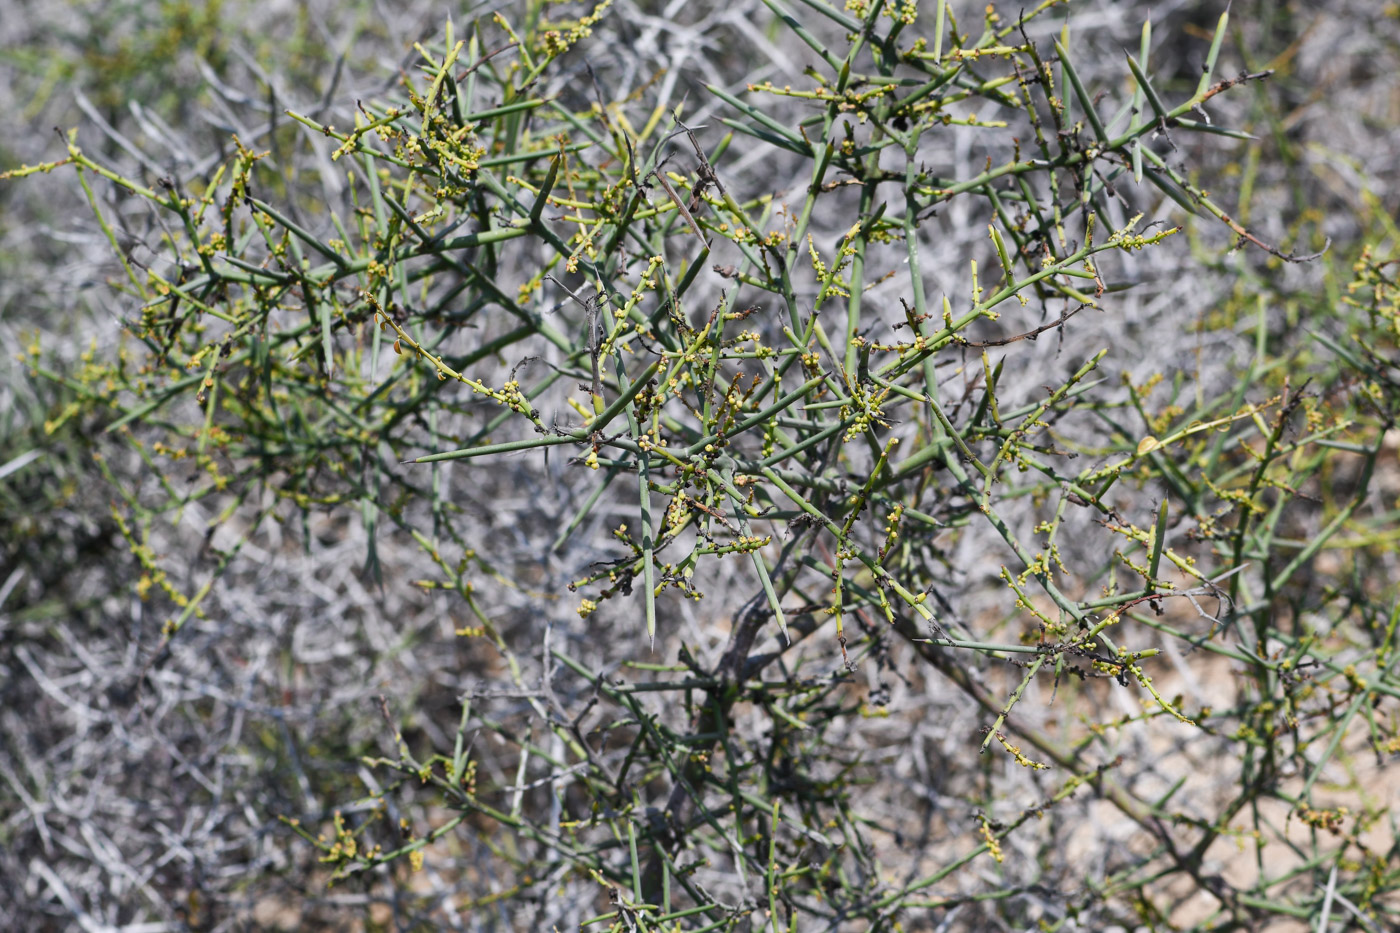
point(144, 792)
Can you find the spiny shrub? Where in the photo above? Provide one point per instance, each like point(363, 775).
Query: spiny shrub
point(496, 266)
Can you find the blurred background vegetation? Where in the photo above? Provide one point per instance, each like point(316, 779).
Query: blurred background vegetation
point(152, 785)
